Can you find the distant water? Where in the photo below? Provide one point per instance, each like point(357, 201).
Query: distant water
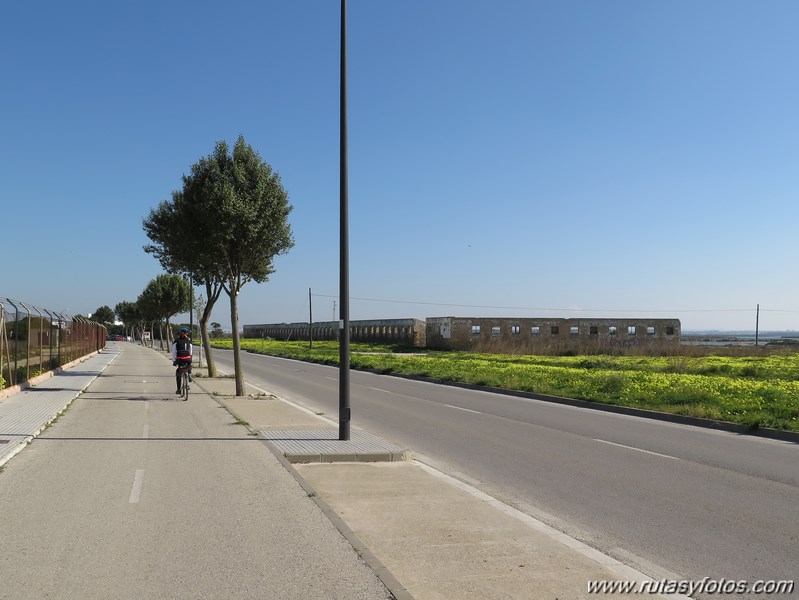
point(733, 338)
point(739, 334)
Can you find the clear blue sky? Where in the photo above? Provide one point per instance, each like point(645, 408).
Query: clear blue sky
point(506, 158)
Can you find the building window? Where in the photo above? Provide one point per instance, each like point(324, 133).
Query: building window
point(475, 330)
point(631, 330)
point(594, 330)
point(495, 331)
point(669, 330)
point(515, 329)
point(535, 330)
point(650, 330)
point(574, 330)
point(612, 329)
point(555, 330)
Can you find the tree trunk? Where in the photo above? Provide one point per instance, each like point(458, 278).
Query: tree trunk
point(204, 319)
point(206, 342)
point(234, 322)
point(168, 336)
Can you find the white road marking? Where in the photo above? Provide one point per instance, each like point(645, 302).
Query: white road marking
point(331, 378)
point(637, 449)
point(379, 389)
point(135, 492)
point(145, 431)
point(477, 412)
point(607, 562)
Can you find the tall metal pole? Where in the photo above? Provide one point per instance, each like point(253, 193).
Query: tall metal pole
point(310, 321)
point(344, 414)
point(191, 308)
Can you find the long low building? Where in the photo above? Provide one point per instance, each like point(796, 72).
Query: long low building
point(548, 335)
point(409, 332)
point(492, 334)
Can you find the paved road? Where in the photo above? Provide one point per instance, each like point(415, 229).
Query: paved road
point(135, 494)
point(671, 500)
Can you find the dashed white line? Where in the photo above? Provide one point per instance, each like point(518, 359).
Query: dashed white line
point(637, 449)
point(135, 491)
point(145, 431)
point(477, 412)
point(379, 390)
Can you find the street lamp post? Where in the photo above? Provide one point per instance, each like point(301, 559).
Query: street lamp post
point(344, 414)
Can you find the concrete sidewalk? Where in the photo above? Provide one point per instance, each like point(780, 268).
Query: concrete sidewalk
point(26, 413)
point(424, 534)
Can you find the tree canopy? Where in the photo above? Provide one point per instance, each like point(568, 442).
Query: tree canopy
point(103, 315)
point(164, 297)
point(224, 228)
point(130, 315)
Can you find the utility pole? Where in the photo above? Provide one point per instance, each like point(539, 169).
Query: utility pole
point(310, 321)
point(344, 415)
point(757, 325)
point(191, 307)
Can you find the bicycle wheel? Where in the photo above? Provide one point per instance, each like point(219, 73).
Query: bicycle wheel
point(185, 388)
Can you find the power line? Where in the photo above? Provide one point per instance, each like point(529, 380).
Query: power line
point(528, 308)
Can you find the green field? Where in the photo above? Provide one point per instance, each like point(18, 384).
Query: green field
point(758, 391)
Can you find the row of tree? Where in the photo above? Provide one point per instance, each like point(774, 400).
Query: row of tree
point(156, 305)
point(164, 297)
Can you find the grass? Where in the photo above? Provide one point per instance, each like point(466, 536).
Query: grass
point(53, 421)
point(759, 390)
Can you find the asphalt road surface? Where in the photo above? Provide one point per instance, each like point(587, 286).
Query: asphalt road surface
point(671, 500)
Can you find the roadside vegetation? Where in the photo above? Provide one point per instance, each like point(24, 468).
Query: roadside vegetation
point(757, 391)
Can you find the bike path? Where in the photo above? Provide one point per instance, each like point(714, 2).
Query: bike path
point(134, 493)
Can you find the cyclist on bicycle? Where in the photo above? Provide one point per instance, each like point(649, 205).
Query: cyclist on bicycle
point(181, 355)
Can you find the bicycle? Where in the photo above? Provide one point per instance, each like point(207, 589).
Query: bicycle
point(185, 378)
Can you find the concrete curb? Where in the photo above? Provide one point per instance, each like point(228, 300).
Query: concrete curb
point(321, 445)
point(378, 568)
point(14, 389)
point(57, 412)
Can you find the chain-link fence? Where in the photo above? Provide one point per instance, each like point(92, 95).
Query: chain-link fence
point(35, 340)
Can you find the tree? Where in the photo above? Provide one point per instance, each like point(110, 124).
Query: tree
point(163, 298)
point(234, 211)
point(245, 200)
point(103, 315)
point(130, 315)
point(176, 230)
